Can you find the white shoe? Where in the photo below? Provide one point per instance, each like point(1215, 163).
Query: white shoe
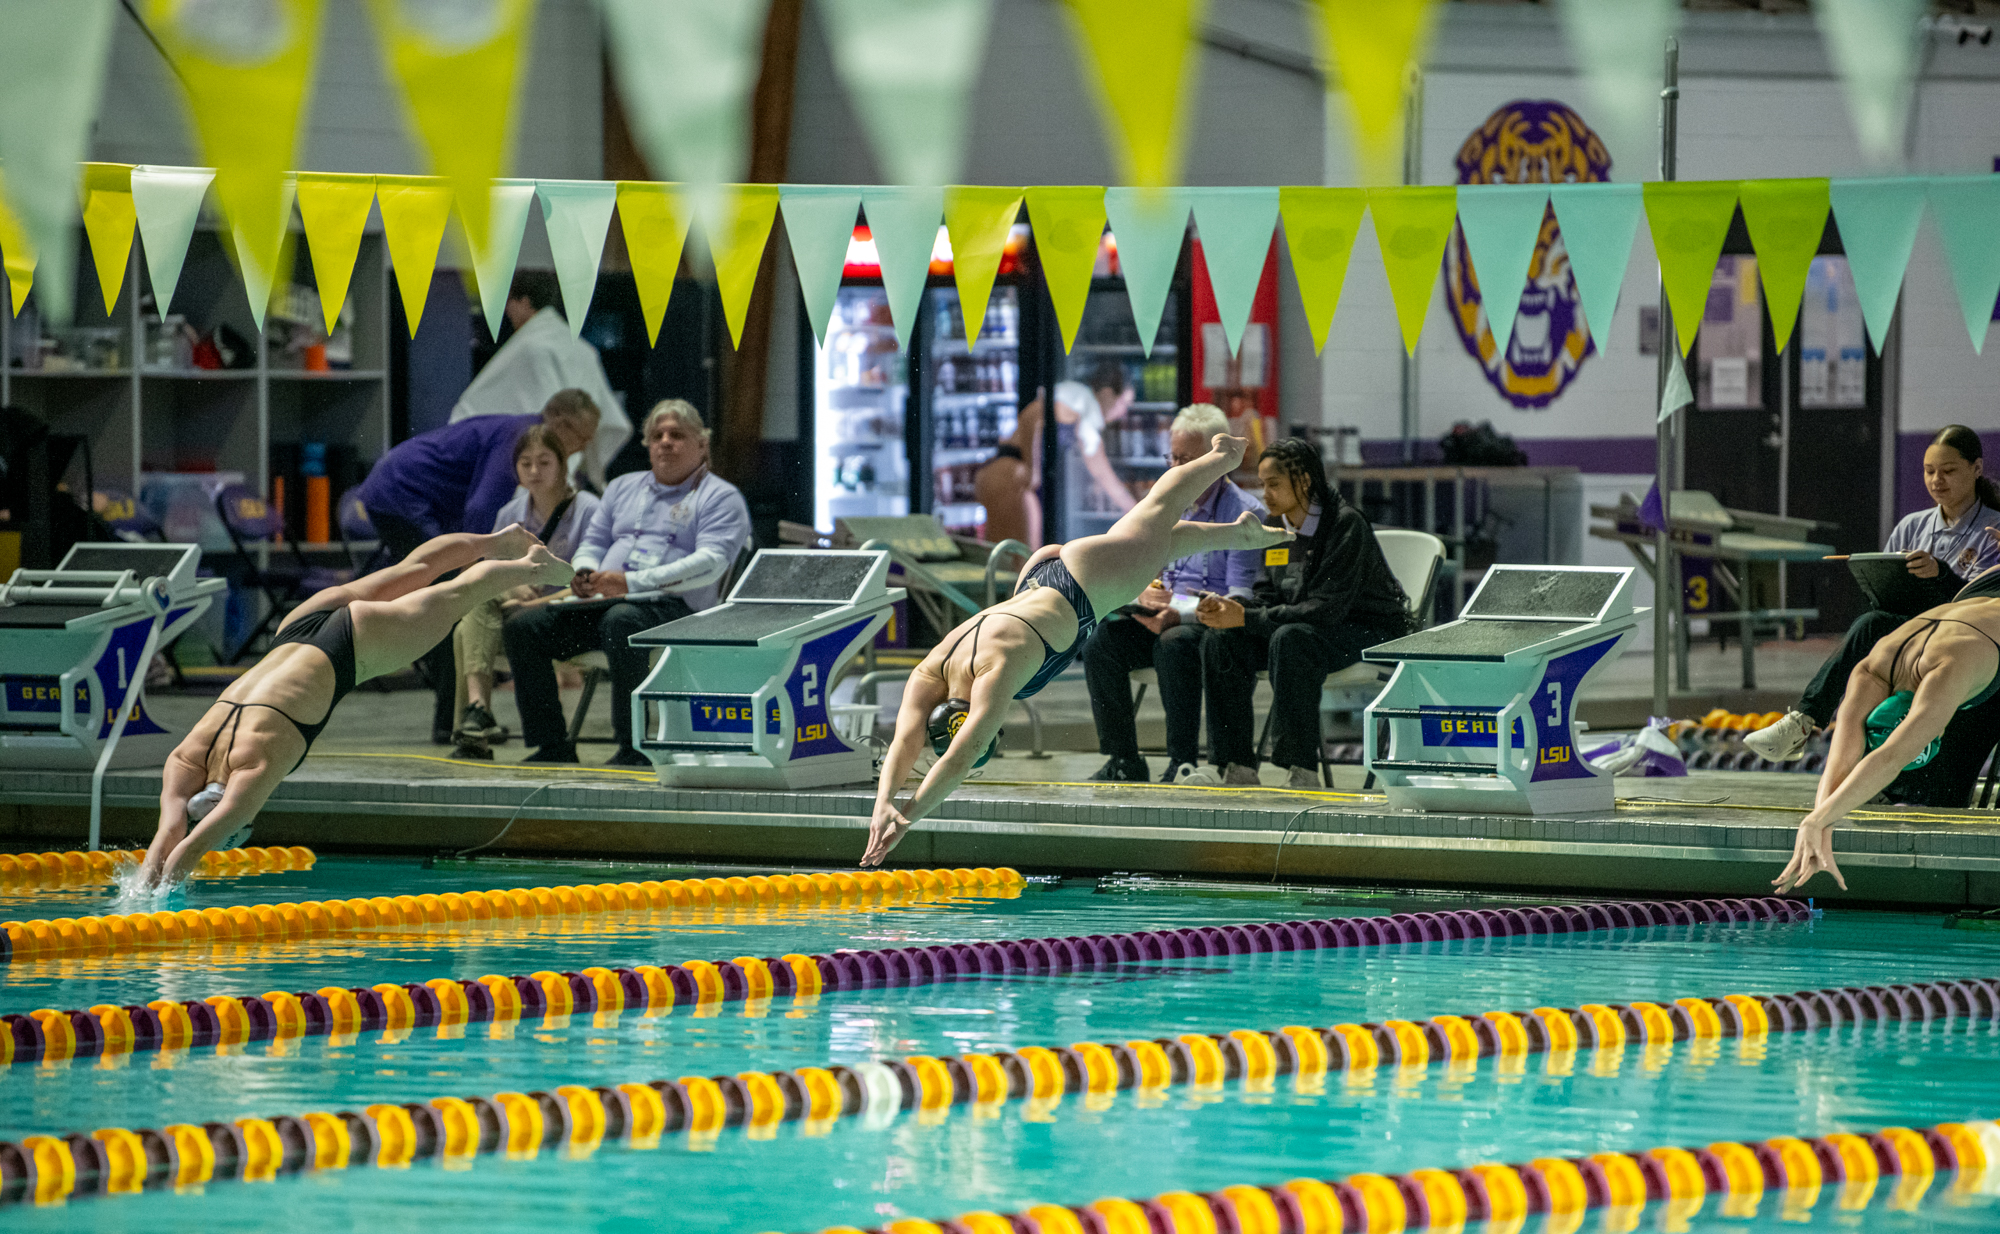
point(1304, 778)
point(1235, 775)
point(1191, 774)
point(1784, 741)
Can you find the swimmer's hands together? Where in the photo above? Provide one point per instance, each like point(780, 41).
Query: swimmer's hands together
point(1812, 852)
point(885, 831)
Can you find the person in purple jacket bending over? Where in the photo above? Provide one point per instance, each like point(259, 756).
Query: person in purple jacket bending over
point(1161, 632)
point(455, 479)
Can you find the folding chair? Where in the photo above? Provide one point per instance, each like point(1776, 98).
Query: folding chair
point(252, 524)
point(128, 520)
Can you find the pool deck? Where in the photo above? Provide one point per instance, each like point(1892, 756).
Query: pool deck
point(1688, 844)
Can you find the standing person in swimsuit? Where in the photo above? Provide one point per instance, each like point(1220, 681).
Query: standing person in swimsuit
point(1899, 700)
point(258, 733)
point(958, 696)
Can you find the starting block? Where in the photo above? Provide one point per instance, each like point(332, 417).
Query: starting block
point(1515, 664)
point(738, 698)
point(75, 643)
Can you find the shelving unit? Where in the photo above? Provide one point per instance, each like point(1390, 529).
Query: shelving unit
point(1136, 446)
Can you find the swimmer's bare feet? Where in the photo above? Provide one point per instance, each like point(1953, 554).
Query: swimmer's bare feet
point(510, 542)
point(1253, 533)
point(554, 570)
point(1231, 448)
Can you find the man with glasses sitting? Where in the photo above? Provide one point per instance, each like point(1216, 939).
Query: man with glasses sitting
point(1159, 630)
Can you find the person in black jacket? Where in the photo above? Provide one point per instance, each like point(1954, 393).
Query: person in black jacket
point(1321, 601)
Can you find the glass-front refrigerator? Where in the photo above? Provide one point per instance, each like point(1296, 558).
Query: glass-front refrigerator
point(860, 400)
point(969, 397)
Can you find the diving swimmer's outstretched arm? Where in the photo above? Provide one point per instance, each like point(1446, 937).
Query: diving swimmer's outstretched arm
point(991, 692)
point(177, 848)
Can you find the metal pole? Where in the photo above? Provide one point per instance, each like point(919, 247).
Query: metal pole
point(1666, 589)
point(1413, 173)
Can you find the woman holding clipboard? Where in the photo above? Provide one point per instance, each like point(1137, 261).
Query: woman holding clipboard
point(1944, 547)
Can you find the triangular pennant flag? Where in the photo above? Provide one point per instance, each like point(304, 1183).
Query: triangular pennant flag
point(655, 222)
point(1150, 225)
point(1618, 45)
point(1785, 219)
point(18, 254)
point(1375, 44)
point(819, 224)
point(247, 71)
point(737, 248)
point(167, 202)
point(904, 222)
point(1501, 223)
point(459, 66)
point(1878, 226)
point(909, 66)
point(108, 219)
point(415, 210)
point(1068, 222)
point(334, 209)
point(686, 69)
point(507, 208)
point(260, 274)
point(1235, 225)
point(1145, 65)
point(978, 220)
point(1320, 226)
point(1677, 393)
point(1966, 210)
point(1874, 45)
point(1598, 223)
point(577, 216)
point(1413, 224)
point(52, 59)
point(1689, 220)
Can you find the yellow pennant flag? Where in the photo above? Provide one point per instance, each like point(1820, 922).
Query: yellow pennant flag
point(977, 219)
point(1146, 61)
point(247, 70)
point(1320, 226)
point(18, 254)
point(415, 210)
point(334, 210)
point(1689, 220)
point(460, 69)
point(1069, 224)
point(1412, 224)
point(747, 212)
point(1786, 219)
point(109, 218)
point(1375, 44)
point(655, 223)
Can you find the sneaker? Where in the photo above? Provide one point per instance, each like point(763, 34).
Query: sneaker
point(478, 721)
point(628, 757)
point(1305, 779)
point(1235, 775)
point(1784, 741)
point(1173, 772)
point(564, 753)
point(1122, 769)
point(473, 747)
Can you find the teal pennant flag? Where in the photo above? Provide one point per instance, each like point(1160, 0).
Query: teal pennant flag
point(577, 216)
point(1878, 227)
point(904, 222)
point(1966, 210)
point(819, 223)
point(1149, 226)
point(1598, 223)
point(1501, 223)
point(1235, 225)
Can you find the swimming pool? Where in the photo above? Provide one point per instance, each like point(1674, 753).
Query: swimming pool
point(865, 1171)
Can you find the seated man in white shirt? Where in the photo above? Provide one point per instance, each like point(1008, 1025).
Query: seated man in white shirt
point(664, 537)
point(544, 355)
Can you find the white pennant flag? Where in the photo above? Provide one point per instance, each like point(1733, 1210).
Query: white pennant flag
point(686, 69)
point(909, 66)
point(1874, 47)
point(495, 267)
point(259, 272)
point(168, 203)
point(1678, 393)
point(577, 214)
point(1620, 47)
point(52, 60)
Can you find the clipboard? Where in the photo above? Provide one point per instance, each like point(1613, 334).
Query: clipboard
point(576, 602)
point(1886, 580)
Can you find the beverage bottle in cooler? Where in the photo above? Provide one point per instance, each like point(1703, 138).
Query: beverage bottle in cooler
point(947, 376)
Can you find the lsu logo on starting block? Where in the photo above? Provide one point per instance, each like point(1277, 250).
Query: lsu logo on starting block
point(1553, 756)
point(1446, 730)
point(727, 714)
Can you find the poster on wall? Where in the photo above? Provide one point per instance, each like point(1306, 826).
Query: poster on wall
point(1833, 350)
point(1244, 385)
point(1527, 141)
point(1729, 351)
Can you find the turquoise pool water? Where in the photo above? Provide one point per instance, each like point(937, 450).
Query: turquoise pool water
point(862, 1174)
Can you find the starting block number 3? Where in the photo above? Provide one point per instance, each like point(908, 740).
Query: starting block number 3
point(1555, 702)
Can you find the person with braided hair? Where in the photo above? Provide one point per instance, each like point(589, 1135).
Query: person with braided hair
point(1321, 601)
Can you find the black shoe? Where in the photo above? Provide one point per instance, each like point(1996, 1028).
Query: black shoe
point(564, 753)
point(628, 757)
point(1123, 769)
point(473, 747)
point(441, 736)
point(1173, 771)
point(478, 722)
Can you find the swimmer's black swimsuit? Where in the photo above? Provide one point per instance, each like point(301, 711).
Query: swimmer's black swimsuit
point(1052, 574)
point(332, 631)
point(1992, 687)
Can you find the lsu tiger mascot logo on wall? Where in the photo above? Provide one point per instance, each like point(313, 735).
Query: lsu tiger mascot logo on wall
point(1527, 142)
